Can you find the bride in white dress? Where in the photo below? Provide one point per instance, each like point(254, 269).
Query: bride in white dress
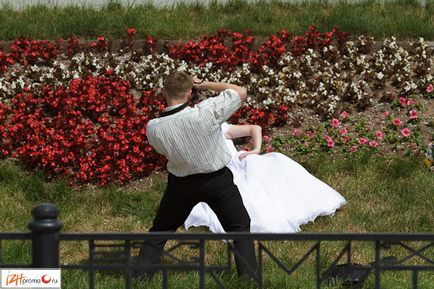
point(278, 193)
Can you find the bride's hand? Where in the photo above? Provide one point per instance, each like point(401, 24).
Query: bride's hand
point(243, 155)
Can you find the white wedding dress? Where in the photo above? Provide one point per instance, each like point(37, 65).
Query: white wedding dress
point(278, 193)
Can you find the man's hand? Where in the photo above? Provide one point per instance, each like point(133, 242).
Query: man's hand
point(197, 82)
point(200, 84)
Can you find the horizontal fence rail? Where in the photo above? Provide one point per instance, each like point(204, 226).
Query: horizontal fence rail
point(190, 252)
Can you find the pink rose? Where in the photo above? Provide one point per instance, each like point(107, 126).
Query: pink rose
point(410, 101)
point(385, 114)
point(405, 132)
point(268, 148)
point(396, 121)
point(335, 122)
point(413, 114)
point(373, 144)
point(309, 133)
point(296, 132)
point(266, 138)
point(379, 135)
point(353, 149)
point(344, 131)
point(362, 140)
point(402, 101)
point(330, 143)
point(429, 88)
point(344, 114)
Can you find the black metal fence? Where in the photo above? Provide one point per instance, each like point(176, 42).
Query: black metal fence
point(115, 252)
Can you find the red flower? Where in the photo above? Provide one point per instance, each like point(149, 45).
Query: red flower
point(413, 114)
point(344, 131)
point(405, 132)
point(132, 31)
point(344, 114)
point(353, 149)
point(379, 135)
point(296, 132)
point(362, 140)
point(385, 114)
point(335, 122)
point(396, 121)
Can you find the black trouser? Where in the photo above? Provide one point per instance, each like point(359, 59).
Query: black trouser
point(218, 190)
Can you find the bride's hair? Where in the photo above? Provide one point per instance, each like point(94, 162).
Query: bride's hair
point(177, 84)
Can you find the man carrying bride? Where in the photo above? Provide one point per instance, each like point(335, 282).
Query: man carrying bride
point(192, 141)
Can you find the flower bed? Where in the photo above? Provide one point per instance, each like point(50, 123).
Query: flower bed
point(82, 111)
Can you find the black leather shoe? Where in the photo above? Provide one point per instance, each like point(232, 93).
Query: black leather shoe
point(142, 273)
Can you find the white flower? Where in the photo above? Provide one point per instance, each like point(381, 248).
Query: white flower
point(409, 86)
point(297, 74)
point(380, 75)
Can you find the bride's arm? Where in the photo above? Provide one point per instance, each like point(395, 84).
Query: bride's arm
point(254, 131)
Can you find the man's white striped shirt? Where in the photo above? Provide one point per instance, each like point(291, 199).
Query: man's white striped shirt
point(191, 139)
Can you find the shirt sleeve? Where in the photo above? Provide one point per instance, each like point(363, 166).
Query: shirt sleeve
point(225, 127)
point(222, 106)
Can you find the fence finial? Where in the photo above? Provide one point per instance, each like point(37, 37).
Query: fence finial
point(45, 229)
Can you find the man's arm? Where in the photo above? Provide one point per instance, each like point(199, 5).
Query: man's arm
point(220, 86)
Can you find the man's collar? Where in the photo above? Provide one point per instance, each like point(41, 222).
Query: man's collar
point(173, 109)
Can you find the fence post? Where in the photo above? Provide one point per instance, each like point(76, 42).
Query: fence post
point(45, 228)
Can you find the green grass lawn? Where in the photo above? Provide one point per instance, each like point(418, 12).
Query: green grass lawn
point(384, 194)
point(404, 19)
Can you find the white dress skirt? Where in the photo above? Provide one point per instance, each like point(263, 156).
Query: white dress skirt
point(278, 193)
